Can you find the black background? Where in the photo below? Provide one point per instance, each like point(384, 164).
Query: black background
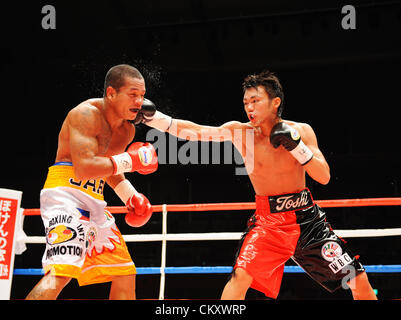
point(194, 55)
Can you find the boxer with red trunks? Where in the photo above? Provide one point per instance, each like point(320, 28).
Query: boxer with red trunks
point(287, 223)
point(82, 239)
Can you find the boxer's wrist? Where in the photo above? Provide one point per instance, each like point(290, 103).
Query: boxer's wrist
point(160, 121)
point(302, 153)
point(125, 190)
point(122, 163)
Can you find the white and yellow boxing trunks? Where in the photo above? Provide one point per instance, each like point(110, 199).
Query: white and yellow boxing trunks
point(82, 239)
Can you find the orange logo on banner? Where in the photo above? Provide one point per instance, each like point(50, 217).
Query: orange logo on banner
point(8, 212)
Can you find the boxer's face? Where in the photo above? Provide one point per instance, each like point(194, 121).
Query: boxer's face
point(258, 106)
point(128, 100)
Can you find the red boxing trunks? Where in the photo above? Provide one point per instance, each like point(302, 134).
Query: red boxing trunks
point(293, 226)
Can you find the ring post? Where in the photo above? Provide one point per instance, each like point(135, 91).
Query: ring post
point(164, 249)
point(10, 202)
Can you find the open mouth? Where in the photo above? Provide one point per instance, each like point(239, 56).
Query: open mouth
point(251, 117)
point(134, 110)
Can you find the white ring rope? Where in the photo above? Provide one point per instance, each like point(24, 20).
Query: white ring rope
point(360, 233)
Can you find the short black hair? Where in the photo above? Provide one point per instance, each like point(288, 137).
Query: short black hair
point(115, 77)
point(269, 81)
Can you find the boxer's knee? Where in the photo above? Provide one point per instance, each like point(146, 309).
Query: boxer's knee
point(48, 288)
point(242, 278)
point(123, 288)
point(238, 285)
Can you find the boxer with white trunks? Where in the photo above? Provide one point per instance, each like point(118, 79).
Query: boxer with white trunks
point(82, 239)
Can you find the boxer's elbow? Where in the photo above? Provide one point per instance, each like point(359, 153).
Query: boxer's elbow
point(86, 169)
point(324, 177)
point(321, 175)
point(318, 170)
point(81, 173)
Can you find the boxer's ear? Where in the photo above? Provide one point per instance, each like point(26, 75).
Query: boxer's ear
point(110, 92)
point(276, 103)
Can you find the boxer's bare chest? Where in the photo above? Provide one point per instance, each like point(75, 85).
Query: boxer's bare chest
point(113, 141)
point(272, 171)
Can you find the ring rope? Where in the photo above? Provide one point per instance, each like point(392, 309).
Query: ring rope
point(164, 253)
point(360, 233)
point(394, 268)
point(337, 203)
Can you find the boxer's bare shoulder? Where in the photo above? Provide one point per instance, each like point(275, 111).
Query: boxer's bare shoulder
point(305, 130)
point(86, 128)
point(85, 117)
point(299, 126)
point(236, 125)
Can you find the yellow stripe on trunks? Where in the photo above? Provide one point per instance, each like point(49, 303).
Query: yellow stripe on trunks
point(61, 174)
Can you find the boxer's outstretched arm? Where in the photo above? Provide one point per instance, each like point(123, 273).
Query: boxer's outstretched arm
point(184, 129)
point(189, 130)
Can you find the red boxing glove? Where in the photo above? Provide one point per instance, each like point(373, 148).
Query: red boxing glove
point(139, 210)
point(144, 157)
point(139, 157)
